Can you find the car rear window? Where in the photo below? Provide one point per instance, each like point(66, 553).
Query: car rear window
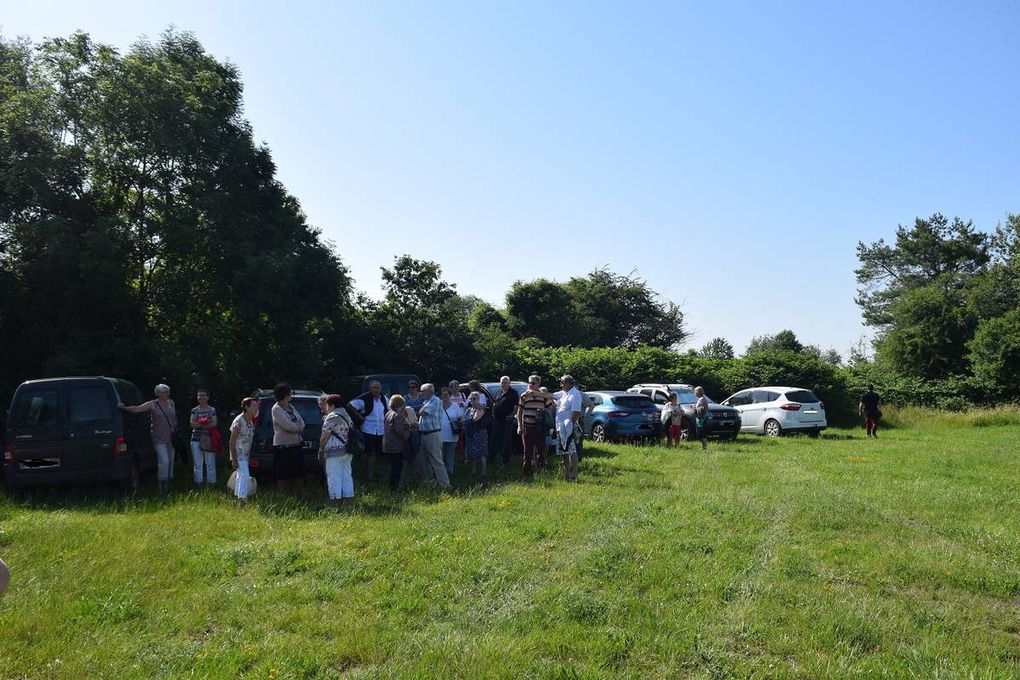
point(802, 396)
point(308, 408)
point(35, 408)
point(632, 401)
point(90, 405)
point(127, 392)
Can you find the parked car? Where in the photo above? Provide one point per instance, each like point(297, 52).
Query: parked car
point(307, 404)
point(392, 383)
point(774, 411)
point(722, 421)
point(70, 430)
point(621, 415)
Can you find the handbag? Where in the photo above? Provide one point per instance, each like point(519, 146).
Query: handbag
point(454, 424)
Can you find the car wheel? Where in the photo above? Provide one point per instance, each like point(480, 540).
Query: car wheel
point(598, 433)
point(773, 428)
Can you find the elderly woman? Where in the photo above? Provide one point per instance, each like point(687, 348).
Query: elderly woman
point(700, 415)
point(396, 432)
point(475, 426)
point(163, 426)
point(288, 428)
point(336, 428)
point(242, 434)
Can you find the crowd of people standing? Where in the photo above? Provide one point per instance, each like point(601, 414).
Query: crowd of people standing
point(422, 433)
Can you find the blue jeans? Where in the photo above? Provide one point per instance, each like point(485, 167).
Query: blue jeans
point(449, 454)
point(200, 459)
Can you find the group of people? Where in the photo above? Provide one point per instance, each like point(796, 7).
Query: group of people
point(421, 433)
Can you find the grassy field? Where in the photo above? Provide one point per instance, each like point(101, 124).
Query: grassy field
point(837, 557)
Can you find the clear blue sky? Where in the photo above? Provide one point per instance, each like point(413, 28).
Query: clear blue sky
point(731, 153)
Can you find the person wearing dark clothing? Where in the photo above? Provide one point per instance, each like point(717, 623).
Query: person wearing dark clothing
point(504, 421)
point(869, 409)
point(394, 440)
point(372, 407)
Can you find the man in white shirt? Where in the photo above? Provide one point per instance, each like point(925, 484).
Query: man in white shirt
point(568, 413)
point(372, 405)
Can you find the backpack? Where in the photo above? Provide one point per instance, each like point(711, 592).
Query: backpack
point(356, 417)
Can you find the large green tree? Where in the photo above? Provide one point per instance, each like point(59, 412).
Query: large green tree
point(603, 309)
point(915, 293)
point(423, 322)
point(143, 229)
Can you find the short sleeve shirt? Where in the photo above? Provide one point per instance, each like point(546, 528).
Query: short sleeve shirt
point(245, 435)
point(569, 404)
point(338, 424)
point(450, 415)
point(200, 412)
point(532, 405)
point(870, 400)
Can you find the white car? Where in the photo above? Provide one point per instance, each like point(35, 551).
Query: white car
point(774, 411)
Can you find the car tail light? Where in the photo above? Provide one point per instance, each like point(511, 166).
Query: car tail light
point(120, 447)
point(253, 462)
point(8, 453)
point(792, 406)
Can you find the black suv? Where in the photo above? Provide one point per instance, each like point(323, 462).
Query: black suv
point(307, 404)
point(70, 430)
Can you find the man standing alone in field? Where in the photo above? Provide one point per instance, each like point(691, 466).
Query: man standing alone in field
point(870, 410)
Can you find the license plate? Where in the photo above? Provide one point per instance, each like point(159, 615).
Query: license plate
point(38, 463)
point(726, 423)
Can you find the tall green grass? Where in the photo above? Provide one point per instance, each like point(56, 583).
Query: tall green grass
point(922, 417)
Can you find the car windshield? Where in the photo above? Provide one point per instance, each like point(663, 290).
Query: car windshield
point(802, 396)
point(685, 397)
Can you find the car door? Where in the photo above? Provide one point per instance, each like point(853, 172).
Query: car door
point(753, 414)
point(35, 430)
point(91, 433)
point(742, 401)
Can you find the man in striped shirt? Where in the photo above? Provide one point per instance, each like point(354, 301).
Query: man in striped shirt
point(530, 424)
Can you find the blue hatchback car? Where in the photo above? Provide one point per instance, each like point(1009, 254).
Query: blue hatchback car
point(621, 415)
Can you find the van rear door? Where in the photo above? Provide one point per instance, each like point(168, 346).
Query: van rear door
point(35, 430)
point(92, 430)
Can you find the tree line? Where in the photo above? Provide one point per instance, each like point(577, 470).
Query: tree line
point(144, 234)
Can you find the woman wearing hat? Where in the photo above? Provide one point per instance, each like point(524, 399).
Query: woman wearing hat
point(163, 425)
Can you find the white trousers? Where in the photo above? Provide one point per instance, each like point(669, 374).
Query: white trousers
point(243, 479)
point(200, 459)
point(164, 461)
point(339, 480)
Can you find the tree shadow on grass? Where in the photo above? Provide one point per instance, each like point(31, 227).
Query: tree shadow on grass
point(372, 498)
point(97, 498)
